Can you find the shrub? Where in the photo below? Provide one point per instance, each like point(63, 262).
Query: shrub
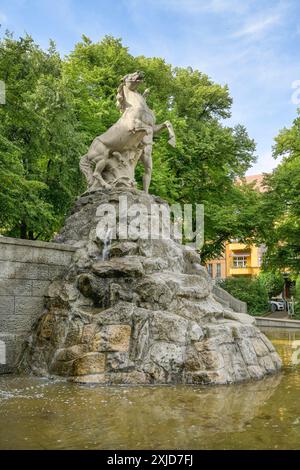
point(297, 297)
point(249, 290)
point(273, 282)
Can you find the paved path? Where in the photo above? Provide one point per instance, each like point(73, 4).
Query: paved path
point(278, 314)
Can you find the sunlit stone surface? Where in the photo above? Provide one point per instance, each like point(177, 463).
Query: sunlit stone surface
point(142, 314)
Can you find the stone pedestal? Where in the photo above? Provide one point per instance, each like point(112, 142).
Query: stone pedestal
point(144, 315)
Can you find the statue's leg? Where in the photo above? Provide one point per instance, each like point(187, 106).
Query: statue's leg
point(98, 155)
point(146, 159)
point(85, 167)
point(100, 165)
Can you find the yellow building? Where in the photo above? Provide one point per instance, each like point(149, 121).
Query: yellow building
point(239, 259)
point(242, 259)
point(217, 268)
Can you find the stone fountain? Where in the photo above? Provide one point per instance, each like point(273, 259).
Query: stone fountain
point(136, 310)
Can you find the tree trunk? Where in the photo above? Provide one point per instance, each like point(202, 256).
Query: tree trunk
point(23, 230)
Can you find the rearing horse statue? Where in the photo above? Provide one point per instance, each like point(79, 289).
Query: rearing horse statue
point(112, 156)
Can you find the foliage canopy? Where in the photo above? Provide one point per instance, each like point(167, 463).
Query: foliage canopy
point(279, 221)
point(55, 107)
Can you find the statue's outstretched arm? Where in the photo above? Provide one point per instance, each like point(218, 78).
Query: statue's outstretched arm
point(146, 93)
point(166, 125)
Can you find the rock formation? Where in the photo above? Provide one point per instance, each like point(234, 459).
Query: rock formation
point(140, 312)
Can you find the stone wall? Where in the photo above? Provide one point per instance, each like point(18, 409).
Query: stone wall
point(228, 300)
point(269, 322)
point(26, 269)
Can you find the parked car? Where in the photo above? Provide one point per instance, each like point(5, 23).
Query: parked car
point(277, 305)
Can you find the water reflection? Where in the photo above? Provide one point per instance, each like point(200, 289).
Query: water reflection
point(36, 413)
point(287, 343)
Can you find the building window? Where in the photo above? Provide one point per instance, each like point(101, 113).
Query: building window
point(240, 261)
point(210, 269)
point(218, 273)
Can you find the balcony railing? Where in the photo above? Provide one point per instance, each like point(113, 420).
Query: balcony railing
point(241, 270)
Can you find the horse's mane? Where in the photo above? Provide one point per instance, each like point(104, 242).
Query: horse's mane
point(120, 95)
point(121, 101)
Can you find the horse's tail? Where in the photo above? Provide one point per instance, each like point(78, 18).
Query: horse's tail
point(85, 167)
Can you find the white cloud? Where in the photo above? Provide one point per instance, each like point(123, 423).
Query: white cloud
point(214, 6)
point(265, 164)
point(219, 6)
point(3, 18)
point(256, 26)
point(195, 6)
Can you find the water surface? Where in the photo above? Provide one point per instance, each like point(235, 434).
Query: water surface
point(37, 413)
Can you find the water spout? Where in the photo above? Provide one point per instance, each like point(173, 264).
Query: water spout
point(107, 245)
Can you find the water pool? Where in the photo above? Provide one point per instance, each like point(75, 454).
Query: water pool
point(36, 413)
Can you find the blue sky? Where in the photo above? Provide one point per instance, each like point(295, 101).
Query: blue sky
point(252, 45)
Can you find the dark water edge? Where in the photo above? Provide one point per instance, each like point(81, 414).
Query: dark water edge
point(36, 413)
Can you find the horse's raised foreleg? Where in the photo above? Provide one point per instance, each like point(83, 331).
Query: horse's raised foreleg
point(159, 127)
point(166, 125)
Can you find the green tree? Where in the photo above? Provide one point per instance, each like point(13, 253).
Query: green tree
point(55, 108)
point(273, 281)
point(297, 297)
point(279, 225)
point(20, 199)
point(40, 144)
